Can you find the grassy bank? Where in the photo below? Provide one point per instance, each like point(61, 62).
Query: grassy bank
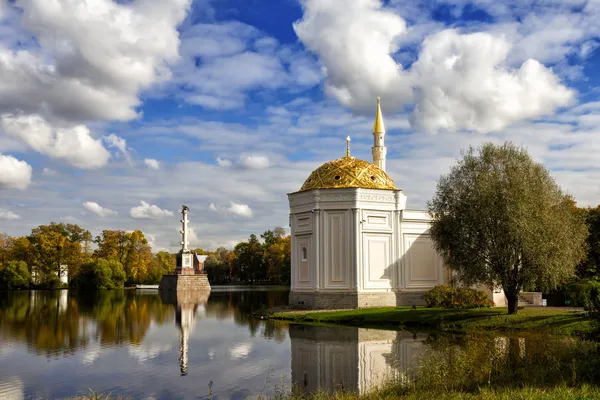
point(585, 392)
point(451, 320)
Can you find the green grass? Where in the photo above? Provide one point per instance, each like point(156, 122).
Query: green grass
point(452, 320)
point(556, 393)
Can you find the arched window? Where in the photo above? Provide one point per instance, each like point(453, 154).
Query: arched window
point(304, 254)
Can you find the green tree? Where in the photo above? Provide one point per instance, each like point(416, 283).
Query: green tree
point(15, 275)
point(590, 266)
point(101, 274)
point(499, 219)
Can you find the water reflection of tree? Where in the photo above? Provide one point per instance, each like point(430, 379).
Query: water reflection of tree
point(239, 306)
point(533, 360)
point(55, 323)
point(43, 320)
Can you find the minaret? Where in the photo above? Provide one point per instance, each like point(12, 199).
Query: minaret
point(379, 149)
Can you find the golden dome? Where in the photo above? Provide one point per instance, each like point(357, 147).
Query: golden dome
point(348, 172)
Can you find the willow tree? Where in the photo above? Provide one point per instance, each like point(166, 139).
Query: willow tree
point(500, 219)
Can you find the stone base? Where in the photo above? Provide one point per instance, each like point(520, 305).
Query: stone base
point(348, 300)
point(198, 282)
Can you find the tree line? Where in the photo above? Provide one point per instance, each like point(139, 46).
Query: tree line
point(116, 258)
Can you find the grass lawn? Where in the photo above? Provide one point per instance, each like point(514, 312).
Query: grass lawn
point(451, 320)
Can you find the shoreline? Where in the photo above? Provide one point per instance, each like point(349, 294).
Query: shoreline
point(572, 322)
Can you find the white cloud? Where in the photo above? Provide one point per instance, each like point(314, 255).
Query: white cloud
point(49, 172)
point(459, 81)
point(74, 145)
point(355, 40)
point(120, 144)
point(94, 57)
point(98, 210)
point(221, 62)
point(254, 161)
point(14, 173)
point(464, 83)
point(8, 215)
point(148, 211)
point(241, 210)
point(223, 162)
point(152, 163)
point(234, 209)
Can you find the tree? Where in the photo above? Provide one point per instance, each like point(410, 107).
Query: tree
point(276, 255)
point(590, 266)
point(499, 219)
point(55, 249)
point(15, 275)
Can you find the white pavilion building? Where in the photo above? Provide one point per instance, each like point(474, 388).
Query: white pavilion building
point(354, 242)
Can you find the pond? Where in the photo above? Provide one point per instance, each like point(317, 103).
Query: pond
point(56, 344)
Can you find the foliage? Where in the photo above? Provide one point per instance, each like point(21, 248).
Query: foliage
point(456, 297)
point(499, 219)
point(590, 266)
point(52, 250)
point(14, 275)
point(590, 295)
point(100, 274)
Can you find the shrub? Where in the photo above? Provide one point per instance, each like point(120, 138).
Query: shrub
point(15, 275)
point(451, 297)
point(590, 296)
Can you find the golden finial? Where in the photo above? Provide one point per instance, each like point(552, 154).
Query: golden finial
point(378, 125)
point(348, 146)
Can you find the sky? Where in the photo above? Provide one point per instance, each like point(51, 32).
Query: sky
point(115, 113)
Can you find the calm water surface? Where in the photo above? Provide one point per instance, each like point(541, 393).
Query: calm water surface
point(56, 344)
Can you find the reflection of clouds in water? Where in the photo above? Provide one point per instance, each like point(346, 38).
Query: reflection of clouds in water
point(90, 355)
point(11, 389)
point(145, 352)
point(240, 350)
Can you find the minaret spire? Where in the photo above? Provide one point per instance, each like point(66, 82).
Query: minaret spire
point(379, 150)
point(348, 146)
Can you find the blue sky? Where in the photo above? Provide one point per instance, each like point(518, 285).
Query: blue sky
point(113, 114)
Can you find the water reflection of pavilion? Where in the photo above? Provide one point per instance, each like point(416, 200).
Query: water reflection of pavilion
point(187, 305)
point(350, 359)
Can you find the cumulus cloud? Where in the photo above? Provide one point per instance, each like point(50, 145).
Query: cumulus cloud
point(74, 145)
point(152, 163)
point(223, 162)
point(120, 144)
point(8, 215)
point(148, 211)
point(98, 209)
point(102, 53)
point(355, 40)
point(464, 83)
point(88, 61)
point(241, 210)
point(14, 173)
point(459, 80)
point(254, 161)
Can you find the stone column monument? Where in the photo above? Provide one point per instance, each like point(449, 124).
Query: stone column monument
point(189, 274)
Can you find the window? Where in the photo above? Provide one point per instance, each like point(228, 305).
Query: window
point(304, 254)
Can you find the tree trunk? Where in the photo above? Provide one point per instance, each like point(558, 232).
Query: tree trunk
point(513, 303)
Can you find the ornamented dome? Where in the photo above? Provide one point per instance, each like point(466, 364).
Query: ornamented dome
point(348, 172)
